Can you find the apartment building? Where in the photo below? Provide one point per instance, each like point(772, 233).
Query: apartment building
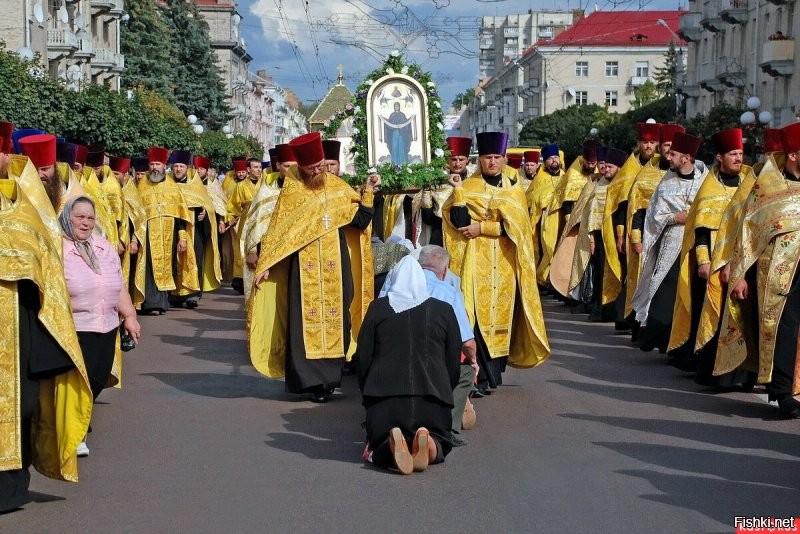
point(739, 49)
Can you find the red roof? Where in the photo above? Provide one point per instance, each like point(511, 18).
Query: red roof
point(620, 28)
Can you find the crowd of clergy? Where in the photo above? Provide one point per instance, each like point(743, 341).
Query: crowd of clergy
point(697, 260)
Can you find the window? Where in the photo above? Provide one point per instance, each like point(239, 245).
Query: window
point(581, 98)
point(642, 69)
point(582, 68)
point(611, 98)
point(612, 68)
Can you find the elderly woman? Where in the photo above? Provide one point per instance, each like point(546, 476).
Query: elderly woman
point(408, 353)
point(98, 296)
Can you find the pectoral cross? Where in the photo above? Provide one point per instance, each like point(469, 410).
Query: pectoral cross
point(327, 221)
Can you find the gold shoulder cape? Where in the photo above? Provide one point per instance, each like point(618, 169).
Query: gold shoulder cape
point(65, 401)
point(561, 270)
point(197, 196)
point(21, 170)
point(108, 196)
point(218, 197)
point(770, 241)
point(297, 226)
point(528, 339)
point(255, 226)
point(537, 198)
point(641, 190)
point(616, 193)
point(163, 201)
point(706, 211)
point(568, 189)
point(72, 186)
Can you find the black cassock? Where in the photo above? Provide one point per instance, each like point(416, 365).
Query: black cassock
point(304, 375)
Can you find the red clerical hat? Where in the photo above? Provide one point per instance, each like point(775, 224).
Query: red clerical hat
point(790, 137)
point(201, 162)
point(95, 158)
point(514, 160)
point(41, 149)
point(532, 156)
point(727, 140)
point(684, 143)
point(81, 153)
point(7, 146)
point(308, 149)
point(649, 131)
point(285, 153)
point(118, 164)
point(668, 131)
point(156, 154)
point(772, 140)
point(331, 147)
point(459, 146)
point(239, 164)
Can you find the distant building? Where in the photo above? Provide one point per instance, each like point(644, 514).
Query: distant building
point(77, 41)
point(742, 48)
point(337, 98)
point(503, 39)
point(600, 60)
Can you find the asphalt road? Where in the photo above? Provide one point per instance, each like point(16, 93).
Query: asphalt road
point(601, 438)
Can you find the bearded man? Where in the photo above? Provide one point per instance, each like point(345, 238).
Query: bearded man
point(314, 276)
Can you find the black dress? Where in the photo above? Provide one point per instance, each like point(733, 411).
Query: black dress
point(408, 365)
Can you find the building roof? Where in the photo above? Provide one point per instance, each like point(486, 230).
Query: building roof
point(337, 98)
point(620, 28)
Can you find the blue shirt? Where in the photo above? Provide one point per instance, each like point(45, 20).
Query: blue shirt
point(447, 293)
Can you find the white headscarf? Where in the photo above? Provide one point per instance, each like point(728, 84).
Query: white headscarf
point(405, 285)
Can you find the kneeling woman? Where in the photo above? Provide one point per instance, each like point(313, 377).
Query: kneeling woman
point(97, 294)
point(408, 357)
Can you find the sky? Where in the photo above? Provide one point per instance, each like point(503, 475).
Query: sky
point(301, 43)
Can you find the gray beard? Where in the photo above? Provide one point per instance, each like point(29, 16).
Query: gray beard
point(156, 177)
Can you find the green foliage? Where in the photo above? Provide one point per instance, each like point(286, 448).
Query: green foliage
point(221, 150)
point(463, 99)
point(568, 128)
point(125, 126)
point(666, 77)
point(149, 51)
point(720, 117)
point(645, 94)
point(393, 177)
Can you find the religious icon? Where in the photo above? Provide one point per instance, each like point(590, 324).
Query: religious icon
point(398, 121)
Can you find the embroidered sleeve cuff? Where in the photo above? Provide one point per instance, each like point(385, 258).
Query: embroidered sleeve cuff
point(367, 198)
point(636, 236)
point(702, 255)
point(491, 228)
point(619, 230)
point(458, 197)
point(182, 235)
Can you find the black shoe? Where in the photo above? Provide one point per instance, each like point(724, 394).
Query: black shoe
point(322, 396)
point(477, 393)
point(788, 407)
point(238, 285)
point(456, 440)
point(192, 304)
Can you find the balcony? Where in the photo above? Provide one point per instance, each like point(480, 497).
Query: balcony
point(689, 91)
point(733, 11)
point(117, 7)
point(61, 43)
point(638, 81)
point(486, 44)
point(778, 57)
point(730, 72)
point(779, 2)
point(511, 31)
point(689, 27)
point(85, 50)
point(546, 33)
point(511, 51)
point(102, 5)
point(105, 59)
point(711, 19)
point(708, 77)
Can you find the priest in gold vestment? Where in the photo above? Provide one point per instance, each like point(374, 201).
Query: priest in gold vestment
point(538, 197)
point(489, 238)
point(314, 276)
point(44, 394)
point(238, 204)
point(765, 314)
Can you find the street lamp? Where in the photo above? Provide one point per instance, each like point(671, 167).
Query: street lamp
point(752, 126)
point(226, 129)
point(192, 119)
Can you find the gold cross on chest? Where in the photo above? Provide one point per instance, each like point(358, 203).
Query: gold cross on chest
point(327, 221)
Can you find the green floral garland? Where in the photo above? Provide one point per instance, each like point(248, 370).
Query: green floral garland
point(393, 177)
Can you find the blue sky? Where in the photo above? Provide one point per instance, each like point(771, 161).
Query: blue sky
point(300, 43)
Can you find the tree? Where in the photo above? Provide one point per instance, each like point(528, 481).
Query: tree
point(221, 150)
point(666, 77)
point(645, 94)
point(568, 127)
point(720, 117)
point(198, 86)
point(307, 109)
point(462, 99)
point(149, 51)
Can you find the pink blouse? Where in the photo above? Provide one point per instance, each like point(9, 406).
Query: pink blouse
point(94, 297)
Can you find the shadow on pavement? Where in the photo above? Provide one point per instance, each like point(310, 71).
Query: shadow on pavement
point(223, 386)
point(212, 349)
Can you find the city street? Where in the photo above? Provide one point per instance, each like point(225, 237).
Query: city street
point(601, 438)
